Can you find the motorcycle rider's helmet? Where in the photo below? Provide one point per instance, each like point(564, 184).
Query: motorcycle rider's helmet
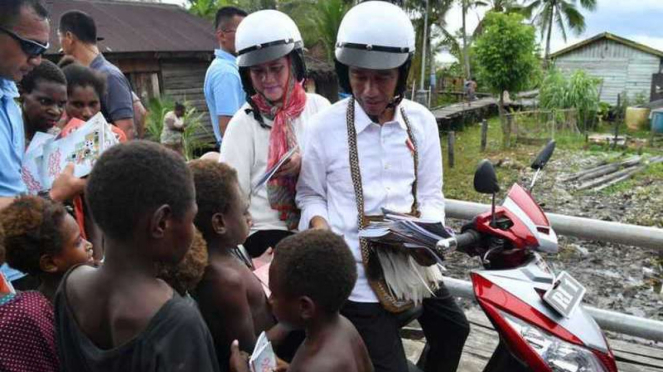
point(264, 36)
point(375, 35)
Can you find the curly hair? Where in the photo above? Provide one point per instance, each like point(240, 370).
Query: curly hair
point(185, 276)
point(317, 264)
point(133, 179)
point(215, 190)
point(46, 71)
point(32, 227)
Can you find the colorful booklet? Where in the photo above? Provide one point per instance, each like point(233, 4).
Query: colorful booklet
point(402, 230)
point(270, 172)
point(47, 156)
point(263, 358)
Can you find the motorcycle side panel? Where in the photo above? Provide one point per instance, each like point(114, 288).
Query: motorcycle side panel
point(521, 285)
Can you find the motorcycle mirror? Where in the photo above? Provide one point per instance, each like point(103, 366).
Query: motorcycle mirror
point(485, 178)
point(544, 156)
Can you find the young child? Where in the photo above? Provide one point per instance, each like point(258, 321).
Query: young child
point(311, 276)
point(120, 317)
point(231, 298)
point(27, 332)
point(43, 240)
point(43, 98)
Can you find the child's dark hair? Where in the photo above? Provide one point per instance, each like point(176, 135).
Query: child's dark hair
point(81, 76)
point(46, 71)
point(179, 106)
point(185, 276)
point(215, 187)
point(133, 179)
point(317, 264)
point(32, 227)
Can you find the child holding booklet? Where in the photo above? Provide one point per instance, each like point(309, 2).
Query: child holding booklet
point(231, 298)
point(142, 197)
point(311, 276)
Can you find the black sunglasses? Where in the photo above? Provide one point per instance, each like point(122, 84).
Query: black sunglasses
point(30, 47)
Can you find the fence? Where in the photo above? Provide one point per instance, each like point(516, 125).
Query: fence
point(539, 126)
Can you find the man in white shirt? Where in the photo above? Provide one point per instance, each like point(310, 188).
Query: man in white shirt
point(376, 150)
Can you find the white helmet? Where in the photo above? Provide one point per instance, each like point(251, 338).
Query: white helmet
point(375, 35)
point(264, 36)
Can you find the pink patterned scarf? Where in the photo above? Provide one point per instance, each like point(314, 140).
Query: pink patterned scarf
point(281, 190)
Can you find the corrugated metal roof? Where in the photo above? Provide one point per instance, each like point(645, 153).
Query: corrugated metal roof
point(609, 36)
point(138, 27)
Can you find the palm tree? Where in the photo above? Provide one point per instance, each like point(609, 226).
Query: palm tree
point(564, 13)
point(497, 6)
point(318, 20)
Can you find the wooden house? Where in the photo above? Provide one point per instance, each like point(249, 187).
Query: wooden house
point(622, 65)
point(163, 49)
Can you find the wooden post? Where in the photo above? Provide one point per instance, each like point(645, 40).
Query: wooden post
point(484, 134)
point(452, 141)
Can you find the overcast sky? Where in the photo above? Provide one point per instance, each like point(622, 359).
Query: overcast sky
point(638, 20)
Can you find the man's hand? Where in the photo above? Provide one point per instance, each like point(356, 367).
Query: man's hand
point(66, 186)
point(291, 166)
point(319, 223)
point(239, 360)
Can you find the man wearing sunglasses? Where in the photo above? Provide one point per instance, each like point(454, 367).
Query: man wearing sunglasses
point(24, 31)
point(23, 39)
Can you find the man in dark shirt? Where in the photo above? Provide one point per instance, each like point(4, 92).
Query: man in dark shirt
point(78, 38)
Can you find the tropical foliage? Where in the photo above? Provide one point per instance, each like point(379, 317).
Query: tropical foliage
point(563, 13)
point(158, 108)
point(579, 92)
point(507, 57)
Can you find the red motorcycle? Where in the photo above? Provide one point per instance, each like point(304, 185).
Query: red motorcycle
point(536, 312)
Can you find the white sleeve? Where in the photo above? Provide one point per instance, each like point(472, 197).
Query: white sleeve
point(429, 186)
point(237, 149)
point(312, 185)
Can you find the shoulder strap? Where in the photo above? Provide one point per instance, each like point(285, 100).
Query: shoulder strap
point(355, 173)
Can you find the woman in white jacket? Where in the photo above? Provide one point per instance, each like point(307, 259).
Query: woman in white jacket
point(270, 124)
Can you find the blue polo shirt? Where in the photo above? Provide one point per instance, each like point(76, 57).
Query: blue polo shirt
point(223, 89)
point(12, 146)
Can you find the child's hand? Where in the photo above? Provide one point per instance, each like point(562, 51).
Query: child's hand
point(239, 360)
point(281, 366)
point(66, 185)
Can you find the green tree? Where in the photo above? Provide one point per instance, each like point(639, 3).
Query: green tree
point(564, 13)
point(318, 20)
point(507, 57)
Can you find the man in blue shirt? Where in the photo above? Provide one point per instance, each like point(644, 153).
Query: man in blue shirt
point(24, 32)
point(223, 85)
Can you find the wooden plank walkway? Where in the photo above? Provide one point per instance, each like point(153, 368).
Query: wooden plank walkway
point(631, 357)
point(456, 110)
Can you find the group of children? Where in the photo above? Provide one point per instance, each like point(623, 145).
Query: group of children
point(173, 292)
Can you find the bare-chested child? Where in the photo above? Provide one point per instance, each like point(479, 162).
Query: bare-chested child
point(311, 276)
point(231, 298)
point(120, 317)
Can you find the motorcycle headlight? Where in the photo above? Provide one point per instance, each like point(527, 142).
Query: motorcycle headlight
point(561, 356)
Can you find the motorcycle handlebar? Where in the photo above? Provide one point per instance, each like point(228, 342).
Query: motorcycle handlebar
point(459, 242)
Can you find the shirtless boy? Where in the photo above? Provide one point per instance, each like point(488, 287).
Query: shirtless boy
point(120, 317)
point(311, 276)
point(231, 298)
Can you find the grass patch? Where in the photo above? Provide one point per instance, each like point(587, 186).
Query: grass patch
point(458, 181)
